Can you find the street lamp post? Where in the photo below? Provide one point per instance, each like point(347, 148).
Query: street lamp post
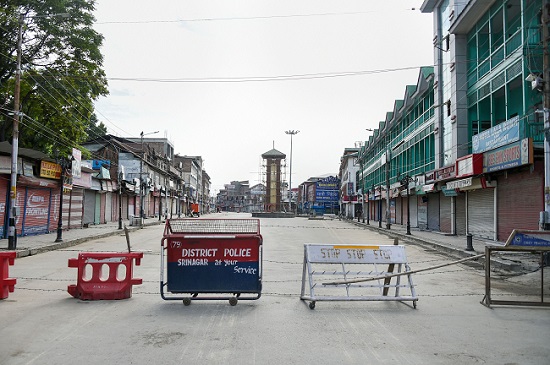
point(141, 187)
point(120, 199)
point(64, 163)
point(291, 133)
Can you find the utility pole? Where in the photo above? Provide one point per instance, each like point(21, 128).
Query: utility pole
point(12, 234)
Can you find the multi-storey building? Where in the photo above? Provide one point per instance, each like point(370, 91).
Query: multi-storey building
point(349, 202)
point(467, 140)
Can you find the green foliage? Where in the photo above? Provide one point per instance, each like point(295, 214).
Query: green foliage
point(62, 72)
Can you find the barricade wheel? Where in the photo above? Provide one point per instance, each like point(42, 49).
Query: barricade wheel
point(187, 301)
point(233, 301)
point(311, 305)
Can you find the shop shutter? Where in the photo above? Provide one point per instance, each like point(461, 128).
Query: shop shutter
point(413, 210)
point(445, 213)
point(153, 207)
point(4, 199)
point(89, 207)
point(76, 208)
point(36, 218)
point(433, 211)
point(54, 214)
point(460, 200)
point(109, 208)
point(103, 208)
point(383, 211)
point(481, 213)
point(20, 202)
point(399, 211)
point(133, 206)
point(97, 215)
point(125, 208)
point(520, 201)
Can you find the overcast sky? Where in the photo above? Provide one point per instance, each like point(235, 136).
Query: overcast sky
point(225, 79)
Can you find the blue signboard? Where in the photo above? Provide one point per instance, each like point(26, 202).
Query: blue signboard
point(326, 195)
point(500, 135)
point(529, 239)
point(329, 183)
point(327, 190)
point(97, 164)
point(509, 156)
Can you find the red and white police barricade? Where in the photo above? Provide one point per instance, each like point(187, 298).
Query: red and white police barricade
point(211, 257)
point(104, 275)
point(6, 283)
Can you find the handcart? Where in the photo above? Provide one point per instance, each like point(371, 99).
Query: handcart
point(207, 258)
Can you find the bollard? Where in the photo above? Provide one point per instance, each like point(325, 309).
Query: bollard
point(469, 246)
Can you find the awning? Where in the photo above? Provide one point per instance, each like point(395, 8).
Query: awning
point(478, 183)
point(429, 188)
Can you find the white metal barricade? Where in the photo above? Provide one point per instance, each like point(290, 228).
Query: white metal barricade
point(356, 273)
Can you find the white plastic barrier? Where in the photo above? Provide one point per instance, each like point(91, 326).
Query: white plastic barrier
point(356, 273)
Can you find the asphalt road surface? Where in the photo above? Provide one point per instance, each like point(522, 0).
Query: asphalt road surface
point(40, 323)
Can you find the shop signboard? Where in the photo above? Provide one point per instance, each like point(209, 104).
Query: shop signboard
point(469, 165)
point(500, 135)
point(509, 156)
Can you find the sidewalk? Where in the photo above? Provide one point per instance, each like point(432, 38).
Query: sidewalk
point(455, 246)
point(33, 245)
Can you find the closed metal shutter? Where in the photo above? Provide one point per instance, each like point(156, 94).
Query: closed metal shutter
point(153, 206)
point(133, 206)
point(4, 199)
point(125, 207)
point(520, 201)
point(445, 213)
point(103, 211)
point(414, 210)
point(54, 216)
point(399, 211)
point(481, 213)
point(460, 200)
point(36, 218)
point(433, 211)
point(89, 207)
point(97, 215)
point(76, 208)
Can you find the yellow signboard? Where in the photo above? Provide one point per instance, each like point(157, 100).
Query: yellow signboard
point(50, 170)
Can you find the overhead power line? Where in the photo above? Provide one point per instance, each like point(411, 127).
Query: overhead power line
point(264, 78)
point(244, 18)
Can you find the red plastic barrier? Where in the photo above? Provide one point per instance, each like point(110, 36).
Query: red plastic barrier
point(107, 286)
point(6, 284)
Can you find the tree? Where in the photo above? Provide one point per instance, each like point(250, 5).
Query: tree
point(61, 75)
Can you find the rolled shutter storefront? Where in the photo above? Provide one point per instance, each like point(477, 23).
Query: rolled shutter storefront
point(89, 207)
point(461, 214)
point(445, 213)
point(433, 211)
point(481, 213)
point(76, 208)
point(36, 218)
